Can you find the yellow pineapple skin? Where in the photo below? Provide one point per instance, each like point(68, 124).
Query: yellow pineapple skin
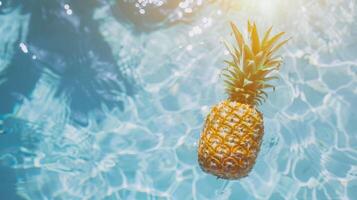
point(231, 140)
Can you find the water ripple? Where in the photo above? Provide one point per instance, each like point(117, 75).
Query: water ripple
point(147, 149)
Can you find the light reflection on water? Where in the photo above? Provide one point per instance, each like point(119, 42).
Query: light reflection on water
point(131, 131)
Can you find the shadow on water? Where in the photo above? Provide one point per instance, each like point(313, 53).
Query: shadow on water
point(71, 47)
point(18, 135)
point(75, 51)
point(154, 17)
point(7, 184)
point(8, 143)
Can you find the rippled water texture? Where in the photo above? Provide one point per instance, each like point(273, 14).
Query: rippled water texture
point(106, 99)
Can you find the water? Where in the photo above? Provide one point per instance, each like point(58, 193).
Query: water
point(106, 99)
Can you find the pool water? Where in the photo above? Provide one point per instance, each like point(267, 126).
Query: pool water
point(106, 99)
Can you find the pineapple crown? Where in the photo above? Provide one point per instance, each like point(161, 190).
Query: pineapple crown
point(250, 69)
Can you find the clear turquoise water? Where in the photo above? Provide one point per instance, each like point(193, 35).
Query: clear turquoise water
point(98, 101)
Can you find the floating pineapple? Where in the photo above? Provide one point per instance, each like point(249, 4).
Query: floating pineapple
point(233, 130)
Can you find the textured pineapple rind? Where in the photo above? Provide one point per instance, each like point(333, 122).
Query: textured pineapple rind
point(231, 140)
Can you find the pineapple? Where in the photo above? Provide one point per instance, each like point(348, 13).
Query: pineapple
point(233, 130)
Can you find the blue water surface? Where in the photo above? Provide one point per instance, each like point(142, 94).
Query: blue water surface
point(106, 99)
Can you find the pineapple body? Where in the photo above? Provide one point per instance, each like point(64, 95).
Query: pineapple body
point(233, 130)
point(230, 140)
